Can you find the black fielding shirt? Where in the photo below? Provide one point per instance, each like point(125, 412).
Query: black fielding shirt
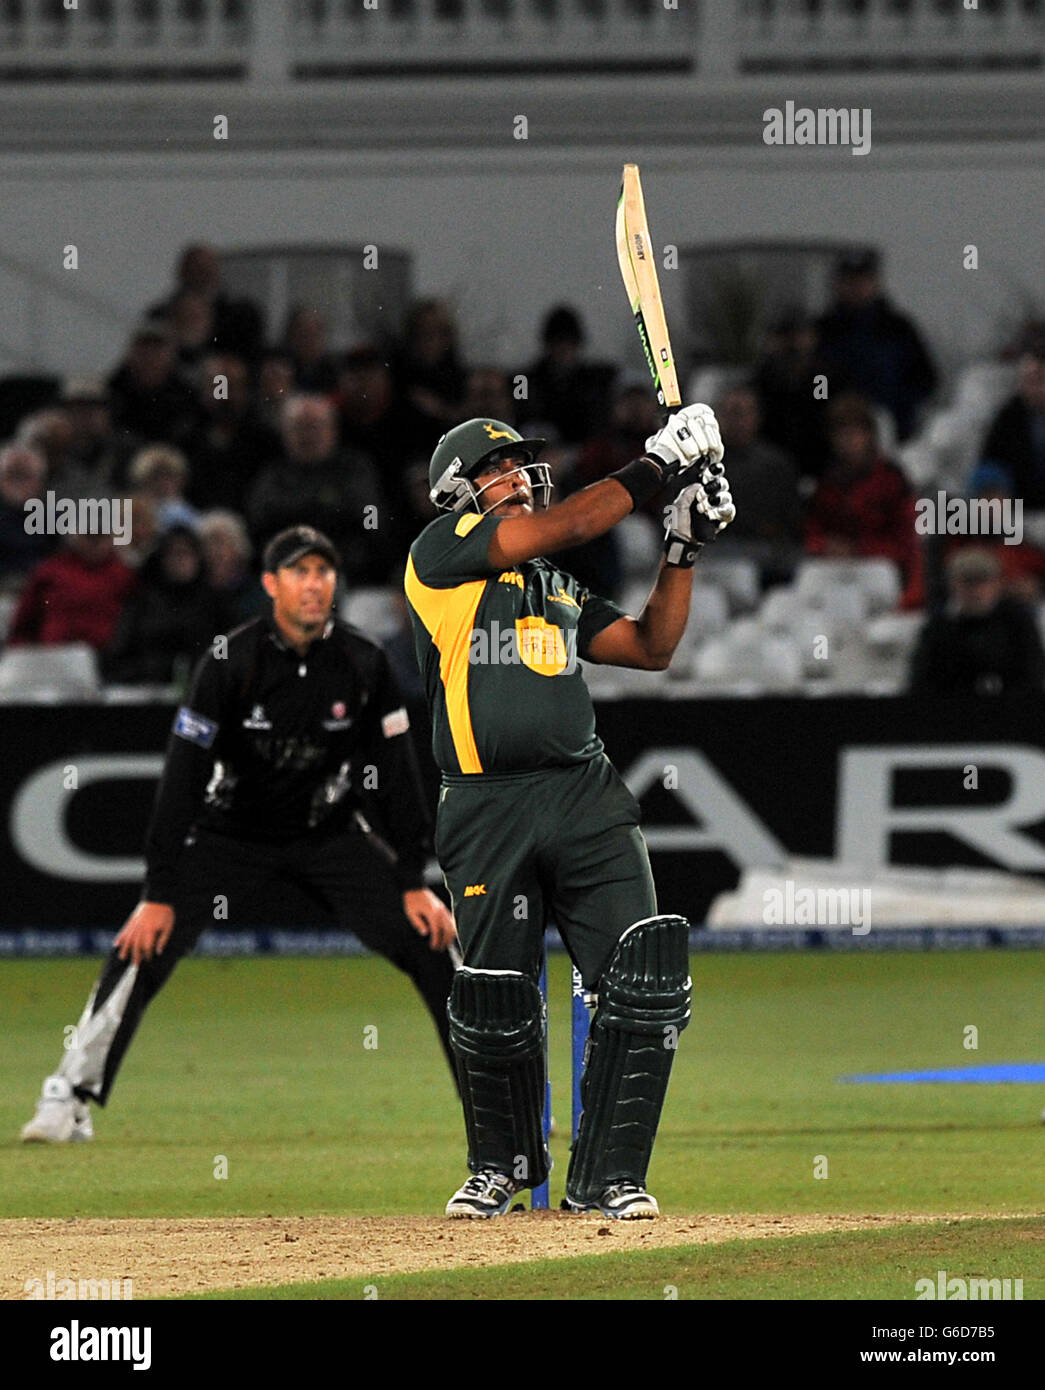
point(271, 746)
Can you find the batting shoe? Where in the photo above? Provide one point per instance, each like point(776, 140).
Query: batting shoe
point(484, 1195)
point(624, 1201)
point(61, 1117)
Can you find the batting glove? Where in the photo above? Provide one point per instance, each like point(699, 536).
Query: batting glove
point(690, 436)
point(696, 516)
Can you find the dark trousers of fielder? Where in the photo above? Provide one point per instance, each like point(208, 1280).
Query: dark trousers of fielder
point(343, 871)
point(561, 844)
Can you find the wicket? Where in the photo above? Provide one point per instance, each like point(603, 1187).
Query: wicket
point(582, 1003)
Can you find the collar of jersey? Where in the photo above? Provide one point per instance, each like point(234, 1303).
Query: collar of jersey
point(274, 634)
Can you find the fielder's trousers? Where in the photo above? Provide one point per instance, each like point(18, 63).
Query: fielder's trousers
point(344, 871)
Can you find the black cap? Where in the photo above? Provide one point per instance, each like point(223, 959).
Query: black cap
point(295, 542)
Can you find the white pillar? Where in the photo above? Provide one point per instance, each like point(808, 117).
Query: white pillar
point(269, 41)
point(717, 49)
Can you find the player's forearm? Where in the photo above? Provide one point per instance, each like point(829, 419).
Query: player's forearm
point(587, 514)
point(662, 622)
point(590, 513)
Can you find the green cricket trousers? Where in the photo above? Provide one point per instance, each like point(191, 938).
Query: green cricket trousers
point(559, 845)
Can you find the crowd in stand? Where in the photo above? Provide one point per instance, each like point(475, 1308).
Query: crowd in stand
point(220, 433)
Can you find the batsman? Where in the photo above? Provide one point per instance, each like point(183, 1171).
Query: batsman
point(534, 823)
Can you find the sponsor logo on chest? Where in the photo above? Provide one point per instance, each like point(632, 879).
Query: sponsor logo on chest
point(257, 719)
point(339, 718)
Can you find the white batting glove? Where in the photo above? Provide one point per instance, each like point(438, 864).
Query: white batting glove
point(717, 503)
point(690, 435)
point(696, 516)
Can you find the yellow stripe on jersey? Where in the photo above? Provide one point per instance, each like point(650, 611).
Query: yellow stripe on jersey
point(468, 523)
point(449, 617)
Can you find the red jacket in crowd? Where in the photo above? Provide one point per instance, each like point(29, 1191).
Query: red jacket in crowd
point(871, 516)
point(68, 600)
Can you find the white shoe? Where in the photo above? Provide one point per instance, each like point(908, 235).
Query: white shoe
point(484, 1195)
point(61, 1117)
point(623, 1201)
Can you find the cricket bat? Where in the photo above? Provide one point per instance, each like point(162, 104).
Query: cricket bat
point(638, 268)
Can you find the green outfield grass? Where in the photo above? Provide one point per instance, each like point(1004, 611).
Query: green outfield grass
point(850, 1265)
point(264, 1062)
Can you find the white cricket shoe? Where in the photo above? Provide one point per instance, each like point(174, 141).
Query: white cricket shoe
point(624, 1201)
point(61, 1117)
point(484, 1195)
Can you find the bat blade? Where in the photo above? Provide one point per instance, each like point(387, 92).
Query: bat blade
point(638, 268)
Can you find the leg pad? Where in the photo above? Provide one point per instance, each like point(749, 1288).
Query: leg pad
point(497, 1031)
point(644, 1004)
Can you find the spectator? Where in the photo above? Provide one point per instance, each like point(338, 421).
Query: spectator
point(317, 484)
point(401, 649)
point(880, 348)
point(275, 387)
point(50, 434)
point(1016, 438)
point(764, 484)
point(488, 394)
point(227, 551)
point(863, 505)
point(427, 368)
point(1022, 565)
point(145, 531)
point(570, 395)
point(23, 476)
point(237, 324)
point(191, 318)
point(305, 343)
point(793, 417)
point(230, 440)
point(983, 642)
point(419, 502)
point(635, 417)
point(392, 432)
point(160, 473)
point(148, 396)
point(76, 595)
point(94, 449)
point(170, 618)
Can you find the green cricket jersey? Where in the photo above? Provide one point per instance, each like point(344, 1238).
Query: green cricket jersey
point(498, 650)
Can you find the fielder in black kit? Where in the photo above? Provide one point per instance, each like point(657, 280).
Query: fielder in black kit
point(286, 723)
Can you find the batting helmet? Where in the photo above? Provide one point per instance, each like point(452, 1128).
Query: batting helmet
point(463, 453)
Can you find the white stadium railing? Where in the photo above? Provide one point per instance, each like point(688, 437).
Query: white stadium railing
point(289, 40)
point(888, 34)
